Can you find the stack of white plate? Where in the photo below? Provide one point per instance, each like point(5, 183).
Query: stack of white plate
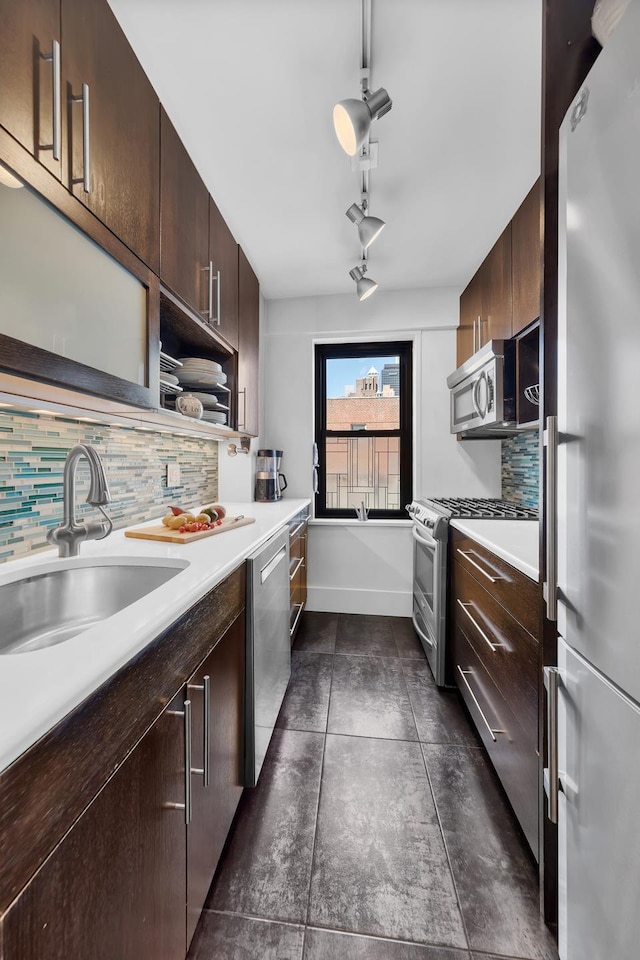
point(201, 373)
point(214, 416)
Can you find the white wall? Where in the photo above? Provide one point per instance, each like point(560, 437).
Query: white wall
point(367, 568)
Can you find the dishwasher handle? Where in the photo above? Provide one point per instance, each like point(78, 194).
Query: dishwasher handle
point(271, 565)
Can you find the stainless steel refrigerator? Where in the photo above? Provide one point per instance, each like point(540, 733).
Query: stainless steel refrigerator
point(598, 512)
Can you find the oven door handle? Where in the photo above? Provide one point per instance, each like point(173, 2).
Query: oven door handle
point(424, 636)
point(425, 539)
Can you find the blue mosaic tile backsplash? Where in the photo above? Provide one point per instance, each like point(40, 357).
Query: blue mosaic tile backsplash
point(521, 469)
point(33, 449)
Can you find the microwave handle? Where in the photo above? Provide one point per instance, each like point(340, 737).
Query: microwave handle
point(476, 390)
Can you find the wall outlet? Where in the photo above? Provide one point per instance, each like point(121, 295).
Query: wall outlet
point(173, 474)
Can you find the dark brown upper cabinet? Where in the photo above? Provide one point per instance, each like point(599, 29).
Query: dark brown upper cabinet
point(30, 88)
point(114, 886)
point(526, 246)
point(470, 318)
point(113, 140)
point(184, 223)
point(485, 304)
point(223, 256)
point(248, 347)
point(496, 291)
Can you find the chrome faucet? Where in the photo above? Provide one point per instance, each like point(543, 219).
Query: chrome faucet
point(70, 534)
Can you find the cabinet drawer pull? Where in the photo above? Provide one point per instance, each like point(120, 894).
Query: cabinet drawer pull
point(54, 59)
point(186, 806)
point(204, 688)
point(300, 607)
point(490, 644)
point(466, 555)
point(85, 179)
point(463, 674)
point(299, 564)
point(294, 533)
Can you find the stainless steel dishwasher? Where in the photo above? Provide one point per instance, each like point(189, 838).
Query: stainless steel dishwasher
point(268, 647)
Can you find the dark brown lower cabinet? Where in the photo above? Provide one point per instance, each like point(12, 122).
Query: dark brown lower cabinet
point(123, 862)
point(216, 694)
point(114, 886)
point(495, 663)
point(298, 533)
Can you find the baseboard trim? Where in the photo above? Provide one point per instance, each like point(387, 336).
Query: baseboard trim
point(382, 603)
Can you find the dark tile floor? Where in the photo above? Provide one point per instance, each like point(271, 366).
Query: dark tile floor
point(378, 830)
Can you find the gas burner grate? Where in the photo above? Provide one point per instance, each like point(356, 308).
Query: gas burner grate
point(478, 508)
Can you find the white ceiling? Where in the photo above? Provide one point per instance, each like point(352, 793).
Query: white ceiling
point(250, 86)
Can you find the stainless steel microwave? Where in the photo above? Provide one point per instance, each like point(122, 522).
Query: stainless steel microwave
point(483, 392)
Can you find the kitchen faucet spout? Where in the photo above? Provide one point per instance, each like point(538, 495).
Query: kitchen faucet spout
point(70, 534)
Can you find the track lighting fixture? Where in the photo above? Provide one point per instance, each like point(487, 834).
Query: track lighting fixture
point(352, 118)
point(368, 227)
point(364, 286)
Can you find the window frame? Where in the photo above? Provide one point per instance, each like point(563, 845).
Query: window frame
point(340, 351)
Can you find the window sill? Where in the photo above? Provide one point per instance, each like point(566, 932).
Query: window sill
point(343, 522)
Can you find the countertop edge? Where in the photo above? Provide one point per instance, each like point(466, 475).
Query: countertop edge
point(516, 555)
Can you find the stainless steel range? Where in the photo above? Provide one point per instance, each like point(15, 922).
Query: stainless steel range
point(430, 548)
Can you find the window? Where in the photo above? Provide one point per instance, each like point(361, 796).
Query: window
point(363, 428)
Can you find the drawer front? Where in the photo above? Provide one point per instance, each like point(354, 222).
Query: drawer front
point(513, 589)
point(510, 750)
point(509, 654)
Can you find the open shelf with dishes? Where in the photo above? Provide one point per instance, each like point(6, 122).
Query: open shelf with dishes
point(195, 365)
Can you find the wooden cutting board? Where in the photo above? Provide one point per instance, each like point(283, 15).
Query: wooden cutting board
point(174, 536)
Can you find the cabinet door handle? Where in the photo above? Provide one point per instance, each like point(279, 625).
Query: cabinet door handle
point(208, 313)
point(550, 590)
point(85, 179)
point(300, 607)
point(551, 774)
point(467, 555)
point(243, 393)
point(205, 689)
point(186, 806)
point(492, 732)
point(299, 564)
point(54, 59)
point(218, 316)
point(493, 647)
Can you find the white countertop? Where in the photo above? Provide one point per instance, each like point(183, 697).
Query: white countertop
point(39, 688)
point(516, 541)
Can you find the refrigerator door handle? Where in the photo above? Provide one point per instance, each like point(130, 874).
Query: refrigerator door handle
point(550, 590)
point(551, 773)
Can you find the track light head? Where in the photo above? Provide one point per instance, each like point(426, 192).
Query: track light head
point(364, 286)
point(352, 118)
point(368, 227)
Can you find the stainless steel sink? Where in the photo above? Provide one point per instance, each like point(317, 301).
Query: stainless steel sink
point(47, 608)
